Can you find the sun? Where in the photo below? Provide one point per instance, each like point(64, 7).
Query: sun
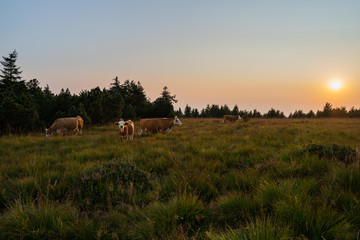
point(336, 84)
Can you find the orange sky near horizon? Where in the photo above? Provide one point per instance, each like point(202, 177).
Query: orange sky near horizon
point(256, 54)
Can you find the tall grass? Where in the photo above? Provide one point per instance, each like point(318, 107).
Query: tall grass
point(260, 179)
point(28, 220)
point(256, 229)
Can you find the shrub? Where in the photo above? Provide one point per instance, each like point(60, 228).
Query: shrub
point(111, 183)
point(343, 153)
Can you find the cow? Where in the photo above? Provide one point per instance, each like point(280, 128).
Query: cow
point(62, 125)
point(127, 129)
point(155, 125)
point(231, 118)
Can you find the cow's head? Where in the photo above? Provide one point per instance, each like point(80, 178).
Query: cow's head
point(177, 121)
point(121, 124)
point(48, 132)
point(239, 117)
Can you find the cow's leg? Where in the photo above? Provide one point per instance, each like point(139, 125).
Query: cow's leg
point(77, 131)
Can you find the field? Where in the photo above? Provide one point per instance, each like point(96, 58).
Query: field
point(260, 179)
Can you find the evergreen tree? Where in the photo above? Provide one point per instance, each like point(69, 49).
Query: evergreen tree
point(163, 106)
point(129, 112)
point(256, 114)
point(224, 110)
point(215, 111)
point(354, 112)
point(339, 112)
point(17, 108)
point(134, 95)
point(113, 103)
point(10, 73)
point(187, 111)
point(327, 110)
point(179, 113)
point(48, 107)
point(272, 113)
point(63, 102)
point(195, 113)
point(92, 101)
point(298, 114)
point(310, 114)
point(235, 110)
point(83, 114)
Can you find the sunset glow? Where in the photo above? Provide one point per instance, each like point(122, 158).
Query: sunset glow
point(256, 54)
point(336, 85)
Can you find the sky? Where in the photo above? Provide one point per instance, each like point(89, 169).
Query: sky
point(258, 54)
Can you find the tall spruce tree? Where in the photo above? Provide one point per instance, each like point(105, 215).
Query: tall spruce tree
point(163, 106)
point(10, 73)
point(17, 107)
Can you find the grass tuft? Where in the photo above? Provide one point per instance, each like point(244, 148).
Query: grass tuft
point(183, 214)
point(258, 229)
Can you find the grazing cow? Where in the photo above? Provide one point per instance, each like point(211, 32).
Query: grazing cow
point(127, 129)
point(155, 125)
point(231, 118)
point(62, 125)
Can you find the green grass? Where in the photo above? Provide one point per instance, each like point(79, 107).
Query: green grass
point(260, 179)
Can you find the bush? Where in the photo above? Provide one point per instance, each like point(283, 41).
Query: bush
point(111, 183)
point(337, 152)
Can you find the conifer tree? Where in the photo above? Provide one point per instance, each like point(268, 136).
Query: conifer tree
point(10, 72)
point(17, 108)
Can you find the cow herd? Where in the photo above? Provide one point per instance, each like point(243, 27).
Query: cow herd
point(127, 128)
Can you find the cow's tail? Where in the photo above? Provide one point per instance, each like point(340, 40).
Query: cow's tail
point(77, 128)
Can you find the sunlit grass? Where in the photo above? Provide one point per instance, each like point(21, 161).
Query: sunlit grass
point(205, 180)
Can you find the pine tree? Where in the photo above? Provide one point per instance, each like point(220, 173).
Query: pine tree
point(10, 73)
point(163, 106)
point(17, 107)
point(187, 111)
point(235, 110)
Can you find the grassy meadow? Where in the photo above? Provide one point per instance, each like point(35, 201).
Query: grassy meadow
point(260, 179)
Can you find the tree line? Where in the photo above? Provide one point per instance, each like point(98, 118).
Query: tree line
point(25, 106)
point(216, 111)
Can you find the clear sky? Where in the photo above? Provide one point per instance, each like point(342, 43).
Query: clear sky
point(256, 54)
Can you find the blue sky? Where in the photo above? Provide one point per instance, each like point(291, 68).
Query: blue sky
point(256, 54)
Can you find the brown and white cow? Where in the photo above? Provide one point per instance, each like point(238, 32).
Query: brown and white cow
point(62, 125)
point(231, 118)
point(127, 129)
point(156, 125)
